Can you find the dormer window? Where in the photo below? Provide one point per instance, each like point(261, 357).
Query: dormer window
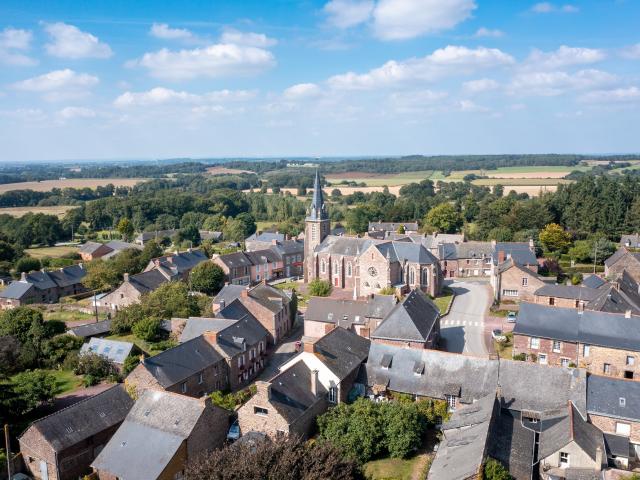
point(622, 401)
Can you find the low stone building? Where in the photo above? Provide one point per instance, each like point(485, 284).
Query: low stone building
point(623, 260)
point(61, 446)
point(603, 343)
point(630, 241)
point(161, 433)
point(361, 316)
point(113, 350)
point(466, 259)
point(93, 250)
point(414, 322)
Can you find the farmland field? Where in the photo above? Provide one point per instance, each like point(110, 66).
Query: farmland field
point(520, 181)
point(53, 252)
point(225, 171)
point(58, 210)
point(373, 180)
point(48, 185)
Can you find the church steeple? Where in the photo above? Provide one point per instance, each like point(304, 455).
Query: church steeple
point(317, 210)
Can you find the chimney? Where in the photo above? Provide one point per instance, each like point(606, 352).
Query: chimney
point(222, 304)
point(211, 337)
point(580, 306)
point(532, 246)
point(501, 257)
point(309, 346)
point(23, 276)
point(627, 314)
point(125, 277)
point(314, 382)
point(274, 242)
point(264, 389)
point(493, 243)
point(244, 293)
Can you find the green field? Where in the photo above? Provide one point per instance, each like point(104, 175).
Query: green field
point(515, 182)
point(71, 316)
point(382, 180)
point(53, 252)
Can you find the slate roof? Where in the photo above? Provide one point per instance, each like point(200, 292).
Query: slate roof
point(291, 392)
point(229, 293)
point(45, 280)
point(454, 251)
point(632, 241)
point(289, 247)
point(89, 247)
point(150, 436)
point(342, 351)
point(472, 377)
point(196, 326)
point(114, 350)
point(91, 329)
point(317, 209)
point(617, 445)
point(148, 281)
point(260, 257)
point(512, 444)
point(269, 297)
point(461, 452)
point(160, 234)
point(83, 419)
point(593, 281)
point(120, 245)
point(64, 277)
point(604, 396)
point(568, 291)
point(612, 300)
point(16, 290)
point(561, 385)
point(186, 359)
point(245, 330)
point(339, 245)
point(235, 259)
point(570, 325)
point(266, 237)
point(345, 313)
point(413, 319)
point(392, 226)
point(406, 251)
point(621, 252)
point(183, 261)
point(518, 251)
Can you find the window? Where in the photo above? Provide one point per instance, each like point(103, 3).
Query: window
point(606, 368)
point(323, 266)
point(333, 395)
point(622, 401)
point(552, 301)
point(525, 281)
point(258, 278)
point(336, 268)
point(200, 378)
point(258, 268)
point(260, 411)
point(261, 347)
point(631, 360)
point(564, 362)
point(586, 349)
point(628, 374)
point(252, 354)
point(564, 459)
point(557, 345)
point(451, 401)
point(348, 269)
point(184, 387)
point(412, 276)
point(542, 359)
point(623, 429)
point(240, 360)
point(534, 343)
point(509, 293)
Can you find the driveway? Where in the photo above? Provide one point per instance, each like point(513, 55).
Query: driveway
point(464, 328)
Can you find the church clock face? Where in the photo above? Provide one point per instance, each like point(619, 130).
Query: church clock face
point(372, 271)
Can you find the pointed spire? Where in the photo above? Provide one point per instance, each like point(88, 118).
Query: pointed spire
point(317, 210)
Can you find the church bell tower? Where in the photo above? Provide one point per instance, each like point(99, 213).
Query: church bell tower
point(317, 226)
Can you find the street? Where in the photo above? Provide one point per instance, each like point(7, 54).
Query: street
point(463, 328)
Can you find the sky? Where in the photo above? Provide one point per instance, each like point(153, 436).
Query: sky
point(122, 79)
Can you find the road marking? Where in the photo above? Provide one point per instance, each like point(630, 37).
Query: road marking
point(462, 323)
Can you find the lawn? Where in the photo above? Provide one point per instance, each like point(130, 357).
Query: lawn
point(71, 316)
point(444, 300)
point(391, 468)
point(148, 348)
point(53, 252)
point(505, 349)
point(66, 380)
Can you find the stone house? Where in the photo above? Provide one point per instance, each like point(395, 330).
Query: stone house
point(380, 226)
point(263, 240)
point(239, 338)
point(292, 254)
point(93, 250)
point(287, 405)
point(630, 241)
point(265, 265)
point(361, 316)
point(514, 282)
point(161, 236)
point(467, 259)
point(61, 446)
point(44, 286)
point(337, 357)
point(193, 368)
point(89, 330)
point(623, 260)
point(603, 343)
point(162, 432)
point(133, 287)
point(613, 407)
point(236, 267)
point(177, 265)
point(414, 322)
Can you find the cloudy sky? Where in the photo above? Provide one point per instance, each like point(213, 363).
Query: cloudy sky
point(125, 79)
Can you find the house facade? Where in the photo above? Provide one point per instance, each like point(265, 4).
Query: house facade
point(514, 282)
point(623, 260)
point(466, 259)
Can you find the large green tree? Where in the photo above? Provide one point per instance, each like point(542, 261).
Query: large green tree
point(554, 238)
point(443, 218)
point(206, 277)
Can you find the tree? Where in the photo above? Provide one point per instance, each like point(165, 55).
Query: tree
point(403, 428)
point(494, 470)
point(169, 300)
point(443, 218)
point(286, 458)
point(27, 264)
point(57, 348)
point(554, 238)
point(206, 277)
point(7, 252)
point(97, 366)
point(319, 288)
point(101, 275)
point(147, 329)
point(190, 234)
point(9, 355)
point(151, 250)
point(126, 229)
point(33, 388)
point(400, 229)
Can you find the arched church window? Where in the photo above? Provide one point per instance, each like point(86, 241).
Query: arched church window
point(323, 266)
point(412, 276)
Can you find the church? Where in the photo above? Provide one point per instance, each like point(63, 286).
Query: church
point(364, 265)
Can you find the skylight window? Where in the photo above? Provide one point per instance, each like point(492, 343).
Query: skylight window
point(623, 401)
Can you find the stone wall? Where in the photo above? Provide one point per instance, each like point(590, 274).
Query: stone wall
point(608, 425)
point(569, 351)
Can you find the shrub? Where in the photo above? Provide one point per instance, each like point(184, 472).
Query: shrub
point(521, 357)
point(494, 470)
point(319, 288)
point(27, 264)
point(94, 365)
point(33, 388)
point(387, 291)
point(130, 363)
point(147, 329)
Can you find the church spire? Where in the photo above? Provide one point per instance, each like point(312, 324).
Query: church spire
point(317, 210)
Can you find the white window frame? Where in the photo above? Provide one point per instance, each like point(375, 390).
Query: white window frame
point(323, 266)
point(534, 343)
point(557, 349)
point(586, 350)
point(509, 292)
point(606, 368)
point(623, 429)
point(525, 282)
point(200, 378)
point(564, 459)
point(451, 402)
point(564, 362)
point(542, 359)
point(630, 361)
point(332, 395)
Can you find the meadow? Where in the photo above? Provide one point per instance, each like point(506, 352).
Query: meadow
point(48, 185)
point(57, 210)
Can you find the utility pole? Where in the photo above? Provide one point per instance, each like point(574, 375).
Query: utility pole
point(595, 255)
point(95, 305)
point(7, 445)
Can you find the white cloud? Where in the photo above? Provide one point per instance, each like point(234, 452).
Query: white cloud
point(469, 106)
point(59, 84)
point(546, 7)
point(162, 96)
point(487, 32)
point(348, 13)
point(419, 101)
point(629, 94)
point(451, 60)
point(556, 83)
point(632, 52)
point(301, 91)
point(68, 41)
point(480, 85)
point(248, 39)
point(162, 30)
point(214, 61)
point(563, 57)
point(12, 39)
point(403, 19)
point(69, 113)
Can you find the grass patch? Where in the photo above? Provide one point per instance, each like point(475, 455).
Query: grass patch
point(444, 300)
point(303, 297)
point(66, 380)
point(391, 468)
point(505, 349)
point(53, 252)
point(57, 210)
point(71, 316)
point(149, 348)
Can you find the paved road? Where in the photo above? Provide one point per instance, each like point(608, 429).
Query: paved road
point(284, 352)
point(464, 327)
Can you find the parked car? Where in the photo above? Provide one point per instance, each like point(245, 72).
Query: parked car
point(511, 317)
point(498, 335)
point(234, 432)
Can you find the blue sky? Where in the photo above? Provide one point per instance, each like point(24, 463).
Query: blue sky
point(122, 79)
